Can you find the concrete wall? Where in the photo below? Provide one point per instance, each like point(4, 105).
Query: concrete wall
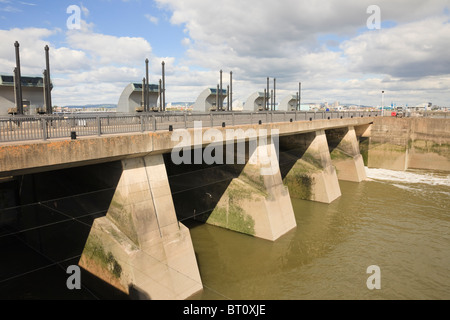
point(416, 143)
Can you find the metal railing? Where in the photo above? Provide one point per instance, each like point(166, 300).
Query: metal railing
point(22, 128)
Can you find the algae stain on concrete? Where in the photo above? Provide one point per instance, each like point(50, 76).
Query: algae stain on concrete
point(230, 214)
point(105, 259)
point(364, 149)
point(423, 146)
point(338, 154)
point(299, 184)
point(300, 179)
point(119, 213)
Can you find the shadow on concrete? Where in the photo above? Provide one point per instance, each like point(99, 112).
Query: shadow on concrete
point(44, 226)
point(292, 148)
point(197, 188)
point(334, 137)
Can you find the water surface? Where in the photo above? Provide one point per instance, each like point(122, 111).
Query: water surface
point(399, 221)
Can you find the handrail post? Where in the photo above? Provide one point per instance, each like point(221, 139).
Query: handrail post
point(211, 119)
point(154, 123)
point(44, 129)
point(141, 118)
point(99, 126)
point(232, 116)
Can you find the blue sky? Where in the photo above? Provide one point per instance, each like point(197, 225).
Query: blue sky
point(324, 44)
point(116, 17)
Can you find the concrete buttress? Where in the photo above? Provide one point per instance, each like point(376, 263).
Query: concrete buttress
point(307, 167)
point(139, 245)
point(346, 155)
point(256, 202)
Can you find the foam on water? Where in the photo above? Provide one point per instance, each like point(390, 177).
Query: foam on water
point(409, 177)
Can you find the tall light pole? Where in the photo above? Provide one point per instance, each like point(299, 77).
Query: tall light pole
point(382, 103)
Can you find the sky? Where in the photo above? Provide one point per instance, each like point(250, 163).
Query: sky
point(340, 50)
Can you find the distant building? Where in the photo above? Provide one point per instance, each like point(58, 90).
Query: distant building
point(289, 103)
point(207, 100)
point(32, 94)
point(256, 102)
point(130, 100)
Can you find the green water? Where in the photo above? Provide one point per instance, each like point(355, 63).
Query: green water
point(397, 221)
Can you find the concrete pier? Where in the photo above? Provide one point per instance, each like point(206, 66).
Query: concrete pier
point(256, 202)
point(308, 170)
point(139, 245)
point(345, 154)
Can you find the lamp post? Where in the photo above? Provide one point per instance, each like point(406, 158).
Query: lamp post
point(382, 103)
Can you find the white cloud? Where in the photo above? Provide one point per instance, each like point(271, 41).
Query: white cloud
point(415, 49)
point(186, 42)
point(281, 39)
point(10, 9)
point(151, 18)
point(27, 3)
point(107, 49)
point(85, 11)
